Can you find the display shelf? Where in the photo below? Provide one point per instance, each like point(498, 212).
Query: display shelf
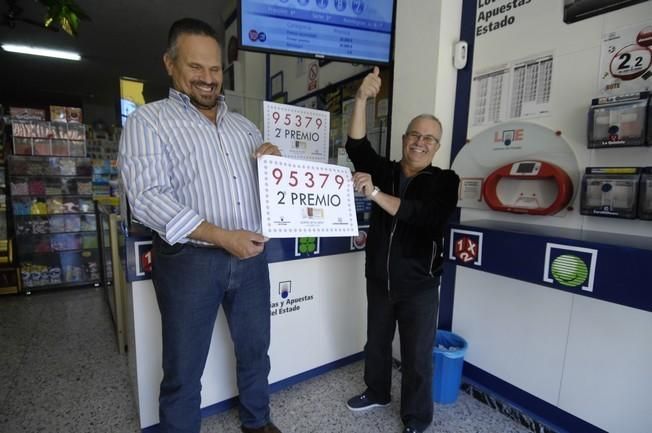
point(52, 233)
point(9, 275)
point(52, 214)
point(37, 137)
point(54, 220)
point(66, 285)
point(105, 178)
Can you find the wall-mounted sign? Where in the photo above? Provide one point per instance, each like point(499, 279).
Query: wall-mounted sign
point(517, 90)
point(466, 247)
point(300, 133)
point(570, 266)
point(626, 61)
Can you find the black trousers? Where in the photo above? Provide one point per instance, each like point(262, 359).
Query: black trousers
point(416, 315)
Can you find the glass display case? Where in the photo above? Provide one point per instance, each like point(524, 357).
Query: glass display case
point(112, 241)
point(9, 279)
point(54, 221)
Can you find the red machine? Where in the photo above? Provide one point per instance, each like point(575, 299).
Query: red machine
point(528, 171)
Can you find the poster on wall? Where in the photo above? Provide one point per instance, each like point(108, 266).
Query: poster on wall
point(577, 10)
point(305, 199)
point(131, 97)
point(518, 90)
point(626, 60)
point(300, 133)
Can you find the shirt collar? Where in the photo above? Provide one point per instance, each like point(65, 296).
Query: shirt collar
point(184, 100)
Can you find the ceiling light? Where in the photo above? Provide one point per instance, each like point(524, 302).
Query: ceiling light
point(46, 52)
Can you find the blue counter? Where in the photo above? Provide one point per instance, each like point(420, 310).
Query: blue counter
point(611, 267)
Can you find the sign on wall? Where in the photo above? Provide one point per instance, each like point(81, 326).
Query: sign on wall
point(466, 247)
point(570, 266)
point(518, 90)
point(300, 133)
point(493, 15)
point(626, 61)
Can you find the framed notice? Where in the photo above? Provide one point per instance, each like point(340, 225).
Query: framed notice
point(300, 133)
point(305, 198)
point(626, 60)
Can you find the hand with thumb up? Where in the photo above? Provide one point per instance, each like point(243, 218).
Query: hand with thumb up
point(370, 85)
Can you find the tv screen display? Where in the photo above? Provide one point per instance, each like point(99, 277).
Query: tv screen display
point(352, 30)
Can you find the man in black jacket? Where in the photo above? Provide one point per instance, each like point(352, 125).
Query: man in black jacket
point(412, 203)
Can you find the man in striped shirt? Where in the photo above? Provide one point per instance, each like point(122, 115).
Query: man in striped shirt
point(189, 169)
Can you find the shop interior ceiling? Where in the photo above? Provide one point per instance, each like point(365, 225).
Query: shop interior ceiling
point(123, 38)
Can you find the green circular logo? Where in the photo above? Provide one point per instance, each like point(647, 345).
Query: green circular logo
point(307, 245)
point(569, 270)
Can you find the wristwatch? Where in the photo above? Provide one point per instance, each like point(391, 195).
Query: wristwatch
point(375, 192)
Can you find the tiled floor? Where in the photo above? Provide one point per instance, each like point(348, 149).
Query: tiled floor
point(60, 372)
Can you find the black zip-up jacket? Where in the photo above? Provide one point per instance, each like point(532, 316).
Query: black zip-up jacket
point(405, 250)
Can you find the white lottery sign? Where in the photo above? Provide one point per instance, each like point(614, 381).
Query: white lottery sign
point(305, 198)
point(626, 62)
point(300, 133)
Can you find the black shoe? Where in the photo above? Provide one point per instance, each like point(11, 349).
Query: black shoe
point(267, 428)
point(363, 402)
point(409, 429)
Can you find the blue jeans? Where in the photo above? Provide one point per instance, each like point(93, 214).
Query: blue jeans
point(190, 284)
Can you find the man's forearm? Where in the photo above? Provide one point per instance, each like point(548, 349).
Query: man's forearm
point(387, 202)
point(358, 126)
point(210, 233)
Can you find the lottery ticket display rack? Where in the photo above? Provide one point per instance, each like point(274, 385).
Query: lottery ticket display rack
point(54, 221)
point(9, 274)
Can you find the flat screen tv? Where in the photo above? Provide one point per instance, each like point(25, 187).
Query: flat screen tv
point(358, 31)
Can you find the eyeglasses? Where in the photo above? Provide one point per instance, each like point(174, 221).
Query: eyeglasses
point(428, 139)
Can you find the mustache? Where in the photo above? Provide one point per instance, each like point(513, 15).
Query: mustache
point(203, 83)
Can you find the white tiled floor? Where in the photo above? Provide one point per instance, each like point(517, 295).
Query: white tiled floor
point(60, 372)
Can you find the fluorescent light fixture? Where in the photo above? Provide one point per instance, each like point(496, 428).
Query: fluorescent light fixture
point(46, 52)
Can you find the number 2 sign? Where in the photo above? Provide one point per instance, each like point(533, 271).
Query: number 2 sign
point(626, 60)
point(304, 198)
point(300, 133)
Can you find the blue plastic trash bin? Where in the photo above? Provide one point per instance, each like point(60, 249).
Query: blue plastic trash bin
point(448, 358)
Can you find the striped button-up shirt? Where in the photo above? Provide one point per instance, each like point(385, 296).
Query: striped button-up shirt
point(179, 169)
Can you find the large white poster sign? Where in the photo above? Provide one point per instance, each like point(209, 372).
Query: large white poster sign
point(518, 90)
point(300, 133)
point(626, 62)
point(304, 198)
